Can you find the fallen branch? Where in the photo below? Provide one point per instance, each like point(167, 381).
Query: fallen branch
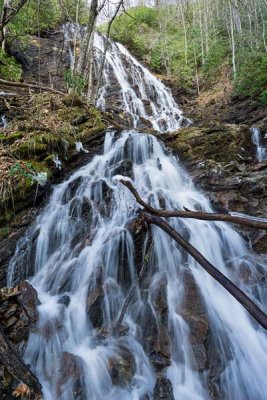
point(237, 293)
point(30, 86)
point(16, 368)
point(194, 214)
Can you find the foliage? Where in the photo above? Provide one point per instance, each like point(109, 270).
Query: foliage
point(132, 29)
point(252, 75)
point(9, 69)
point(69, 11)
point(42, 15)
point(75, 81)
point(191, 40)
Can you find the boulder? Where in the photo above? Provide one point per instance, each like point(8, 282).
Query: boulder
point(122, 367)
point(163, 389)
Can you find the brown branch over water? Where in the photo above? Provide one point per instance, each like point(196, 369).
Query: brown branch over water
point(237, 293)
point(194, 214)
point(233, 289)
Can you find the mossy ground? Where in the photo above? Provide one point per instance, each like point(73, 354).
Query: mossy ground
point(224, 143)
point(44, 126)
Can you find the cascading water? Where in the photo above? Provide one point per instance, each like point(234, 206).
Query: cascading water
point(261, 151)
point(84, 259)
point(140, 93)
point(129, 84)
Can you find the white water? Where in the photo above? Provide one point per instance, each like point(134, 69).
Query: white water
point(137, 91)
point(82, 243)
point(261, 151)
point(4, 122)
point(141, 93)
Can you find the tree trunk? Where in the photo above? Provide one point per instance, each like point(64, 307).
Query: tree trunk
point(85, 46)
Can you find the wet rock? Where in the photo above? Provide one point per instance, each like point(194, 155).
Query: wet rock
point(50, 328)
point(81, 212)
point(65, 300)
point(94, 302)
point(70, 373)
point(159, 298)
point(163, 389)
point(101, 195)
point(71, 190)
point(159, 361)
point(124, 168)
point(194, 313)
point(105, 332)
point(155, 339)
point(122, 367)
point(28, 299)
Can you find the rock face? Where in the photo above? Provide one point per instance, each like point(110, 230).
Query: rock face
point(122, 368)
point(163, 390)
point(195, 314)
point(222, 162)
point(18, 316)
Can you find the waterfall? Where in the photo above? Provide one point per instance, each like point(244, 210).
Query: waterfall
point(139, 92)
point(84, 254)
point(129, 86)
point(261, 151)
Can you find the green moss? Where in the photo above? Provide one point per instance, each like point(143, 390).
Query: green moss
point(73, 100)
point(87, 133)
point(28, 149)
point(4, 231)
point(222, 145)
point(10, 138)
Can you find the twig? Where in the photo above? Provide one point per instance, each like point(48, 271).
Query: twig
point(194, 214)
point(31, 86)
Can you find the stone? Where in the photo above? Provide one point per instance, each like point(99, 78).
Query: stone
point(70, 370)
point(94, 302)
point(71, 190)
point(163, 389)
point(28, 299)
point(124, 168)
point(101, 194)
point(122, 367)
point(195, 314)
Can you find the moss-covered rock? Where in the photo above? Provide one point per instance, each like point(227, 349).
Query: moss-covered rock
point(225, 143)
point(47, 128)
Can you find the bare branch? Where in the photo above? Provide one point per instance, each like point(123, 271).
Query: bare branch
point(30, 86)
point(195, 214)
point(237, 293)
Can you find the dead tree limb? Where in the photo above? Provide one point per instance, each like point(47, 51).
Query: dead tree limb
point(237, 293)
point(194, 214)
point(15, 366)
point(30, 86)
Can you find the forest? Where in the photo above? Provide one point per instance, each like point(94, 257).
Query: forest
point(133, 199)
